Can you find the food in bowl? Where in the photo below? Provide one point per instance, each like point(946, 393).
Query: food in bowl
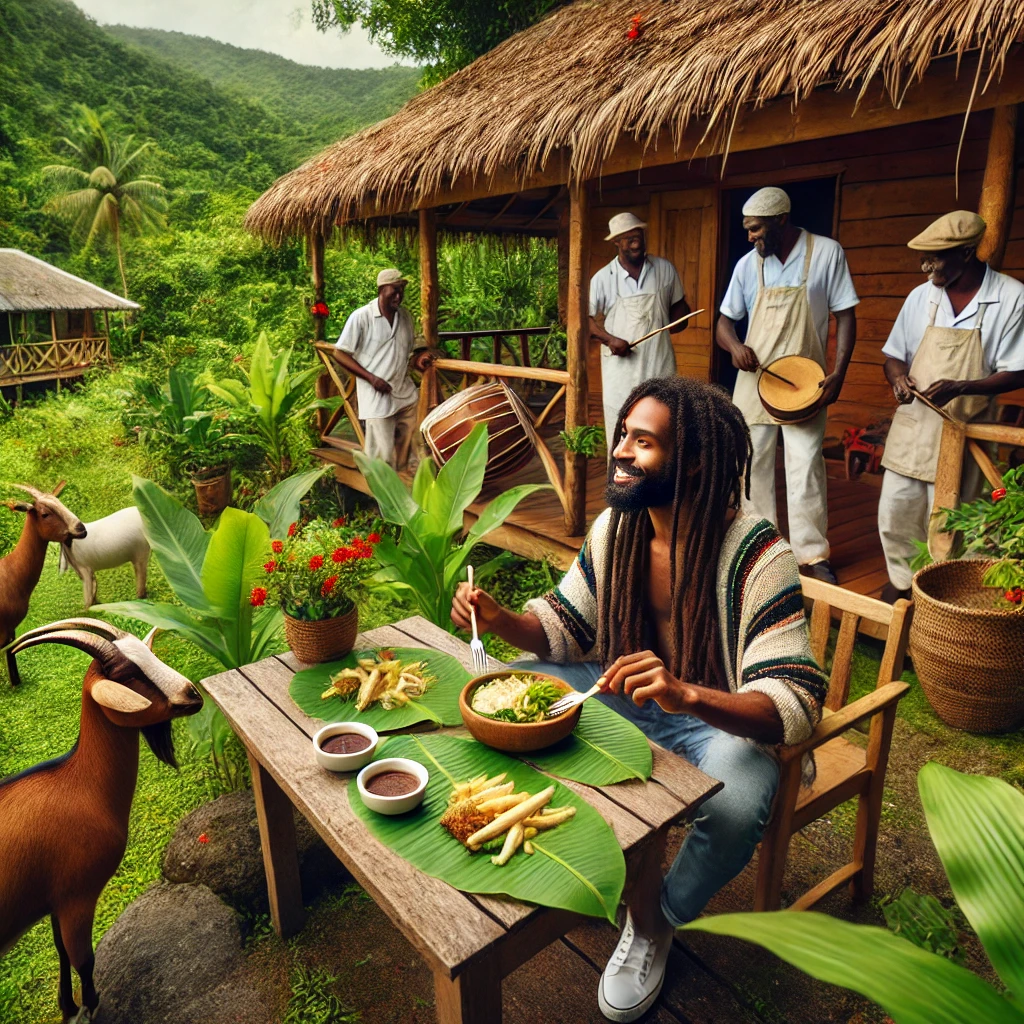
point(345, 743)
point(344, 746)
point(517, 697)
point(381, 679)
point(384, 787)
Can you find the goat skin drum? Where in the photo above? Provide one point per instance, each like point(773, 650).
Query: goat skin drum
point(787, 403)
point(510, 435)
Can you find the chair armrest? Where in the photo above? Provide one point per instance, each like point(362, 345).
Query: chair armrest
point(847, 717)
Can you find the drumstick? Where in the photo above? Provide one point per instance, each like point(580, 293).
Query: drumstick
point(931, 405)
point(667, 327)
point(777, 376)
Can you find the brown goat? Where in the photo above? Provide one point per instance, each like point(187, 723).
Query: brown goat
point(64, 823)
point(46, 519)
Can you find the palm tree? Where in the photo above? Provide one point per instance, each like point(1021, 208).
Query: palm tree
point(104, 196)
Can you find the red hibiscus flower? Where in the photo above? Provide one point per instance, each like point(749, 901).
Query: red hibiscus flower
point(277, 546)
point(203, 838)
point(374, 538)
point(270, 566)
point(320, 309)
point(258, 597)
point(328, 585)
point(316, 562)
point(340, 521)
point(291, 529)
point(999, 493)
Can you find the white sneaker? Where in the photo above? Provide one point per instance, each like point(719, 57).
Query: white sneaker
point(635, 973)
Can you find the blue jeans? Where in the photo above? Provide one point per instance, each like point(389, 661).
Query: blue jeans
point(729, 826)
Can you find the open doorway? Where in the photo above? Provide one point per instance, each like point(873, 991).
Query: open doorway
point(814, 208)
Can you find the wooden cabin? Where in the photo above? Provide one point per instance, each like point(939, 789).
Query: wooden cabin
point(50, 322)
point(875, 118)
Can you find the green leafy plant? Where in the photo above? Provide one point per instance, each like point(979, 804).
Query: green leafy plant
point(589, 441)
point(977, 825)
point(313, 1002)
point(317, 571)
point(925, 922)
point(274, 398)
point(427, 560)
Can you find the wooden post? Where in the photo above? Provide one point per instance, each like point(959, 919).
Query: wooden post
point(577, 339)
point(997, 189)
point(316, 262)
point(947, 486)
point(428, 277)
point(53, 325)
point(563, 265)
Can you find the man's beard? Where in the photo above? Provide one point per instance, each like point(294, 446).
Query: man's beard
point(647, 492)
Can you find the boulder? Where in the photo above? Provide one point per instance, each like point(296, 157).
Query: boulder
point(218, 845)
point(170, 957)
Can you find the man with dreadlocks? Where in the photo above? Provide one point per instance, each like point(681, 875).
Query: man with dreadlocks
point(690, 614)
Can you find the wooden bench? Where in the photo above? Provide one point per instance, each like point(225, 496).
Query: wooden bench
point(470, 942)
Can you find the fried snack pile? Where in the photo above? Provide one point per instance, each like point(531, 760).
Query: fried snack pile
point(487, 814)
point(382, 679)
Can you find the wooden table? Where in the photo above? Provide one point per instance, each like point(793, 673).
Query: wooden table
point(469, 942)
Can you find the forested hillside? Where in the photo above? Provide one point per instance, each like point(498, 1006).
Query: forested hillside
point(320, 104)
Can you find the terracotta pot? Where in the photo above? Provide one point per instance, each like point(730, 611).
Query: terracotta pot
point(213, 493)
point(313, 642)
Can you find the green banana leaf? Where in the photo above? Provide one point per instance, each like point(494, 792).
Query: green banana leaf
point(457, 483)
point(279, 507)
point(440, 704)
point(578, 866)
point(977, 826)
point(910, 984)
point(602, 749)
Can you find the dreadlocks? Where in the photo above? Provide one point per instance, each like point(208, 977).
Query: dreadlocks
point(711, 453)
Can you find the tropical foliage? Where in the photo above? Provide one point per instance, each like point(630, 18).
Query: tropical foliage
point(977, 825)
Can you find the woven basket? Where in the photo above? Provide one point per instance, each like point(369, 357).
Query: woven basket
point(967, 651)
point(324, 639)
point(213, 494)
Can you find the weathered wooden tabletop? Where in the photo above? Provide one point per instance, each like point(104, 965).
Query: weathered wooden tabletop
point(469, 941)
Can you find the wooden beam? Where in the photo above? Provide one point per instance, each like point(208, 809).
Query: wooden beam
point(429, 284)
point(997, 187)
point(53, 325)
point(544, 209)
point(316, 262)
point(577, 339)
point(508, 202)
point(563, 266)
point(475, 369)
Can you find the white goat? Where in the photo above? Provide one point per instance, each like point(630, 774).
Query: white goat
point(109, 542)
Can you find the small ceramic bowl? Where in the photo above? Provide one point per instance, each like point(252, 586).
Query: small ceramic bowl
point(516, 737)
point(392, 804)
point(344, 762)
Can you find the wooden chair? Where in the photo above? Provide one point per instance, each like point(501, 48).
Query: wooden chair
point(844, 769)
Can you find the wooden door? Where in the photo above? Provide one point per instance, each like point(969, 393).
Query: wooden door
point(683, 227)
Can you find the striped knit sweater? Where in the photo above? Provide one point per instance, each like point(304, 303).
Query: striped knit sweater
point(760, 610)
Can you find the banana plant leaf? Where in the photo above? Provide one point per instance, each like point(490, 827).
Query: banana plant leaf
point(602, 749)
point(577, 866)
point(440, 704)
point(912, 985)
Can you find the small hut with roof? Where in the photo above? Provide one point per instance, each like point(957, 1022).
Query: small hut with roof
point(48, 324)
point(876, 116)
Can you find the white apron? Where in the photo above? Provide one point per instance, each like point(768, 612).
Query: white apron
point(631, 317)
point(945, 353)
point(781, 324)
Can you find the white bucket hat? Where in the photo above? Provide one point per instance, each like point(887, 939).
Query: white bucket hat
point(621, 223)
point(767, 202)
point(390, 277)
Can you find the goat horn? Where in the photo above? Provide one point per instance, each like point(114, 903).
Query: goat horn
point(150, 637)
point(103, 629)
point(102, 650)
point(31, 490)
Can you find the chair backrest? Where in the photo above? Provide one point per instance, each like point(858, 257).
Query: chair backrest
point(854, 608)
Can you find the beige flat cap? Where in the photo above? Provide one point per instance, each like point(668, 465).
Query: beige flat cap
point(767, 202)
point(391, 276)
point(961, 227)
point(621, 223)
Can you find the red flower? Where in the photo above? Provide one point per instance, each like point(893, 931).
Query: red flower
point(999, 493)
point(328, 585)
point(1014, 596)
point(277, 546)
point(633, 33)
point(365, 553)
point(291, 529)
point(316, 562)
point(320, 309)
point(203, 838)
point(258, 597)
point(340, 555)
point(270, 566)
point(340, 521)
point(359, 544)
point(374, 538)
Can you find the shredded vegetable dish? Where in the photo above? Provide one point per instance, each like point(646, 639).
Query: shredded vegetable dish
point(517, 697)
point(380, 679)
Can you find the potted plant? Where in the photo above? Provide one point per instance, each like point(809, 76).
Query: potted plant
point(967, 637)
point(204, 449)
point(314, 575)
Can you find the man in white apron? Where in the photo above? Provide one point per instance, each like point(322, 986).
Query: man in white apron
point(959, 341)
point(787, 285)
point(634, 294)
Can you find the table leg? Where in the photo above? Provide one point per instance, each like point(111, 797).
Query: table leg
point(280, 856)
point(474, 997)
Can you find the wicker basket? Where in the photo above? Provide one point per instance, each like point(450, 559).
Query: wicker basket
point(213, 493)
point(323, 639)
point(968, 652)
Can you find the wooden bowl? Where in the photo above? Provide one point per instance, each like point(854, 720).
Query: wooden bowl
point(792, 404)
point(516, 737)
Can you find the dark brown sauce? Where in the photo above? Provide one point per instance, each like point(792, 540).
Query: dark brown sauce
point(392, 784)
point(345, 743)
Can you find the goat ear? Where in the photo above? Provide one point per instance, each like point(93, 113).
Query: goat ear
point(58, 488)
point(20, 506)
point(116, 697)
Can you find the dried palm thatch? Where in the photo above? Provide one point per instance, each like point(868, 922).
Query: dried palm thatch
point(573, 85)
point(29, 284)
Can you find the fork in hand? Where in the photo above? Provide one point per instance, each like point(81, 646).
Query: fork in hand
point(476, 647)
point(571, 700)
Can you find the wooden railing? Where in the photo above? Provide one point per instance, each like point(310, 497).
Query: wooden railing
point(33, 360)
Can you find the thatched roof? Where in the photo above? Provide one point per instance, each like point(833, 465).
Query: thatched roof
point(573, 85)
point(28, 284)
